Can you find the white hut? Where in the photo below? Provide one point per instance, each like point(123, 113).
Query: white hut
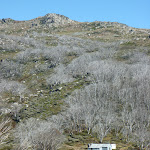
point(101, 146)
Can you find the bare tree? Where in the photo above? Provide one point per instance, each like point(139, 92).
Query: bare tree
point(142, 137)
point(104, 124)
point(38, 135)
point(5, 127)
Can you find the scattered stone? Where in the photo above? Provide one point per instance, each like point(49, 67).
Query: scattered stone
point(59, 88)
point(5, 110)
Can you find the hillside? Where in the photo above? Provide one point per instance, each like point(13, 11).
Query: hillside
point(64, 84)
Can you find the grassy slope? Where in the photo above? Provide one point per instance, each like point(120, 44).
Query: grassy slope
point(52, 103)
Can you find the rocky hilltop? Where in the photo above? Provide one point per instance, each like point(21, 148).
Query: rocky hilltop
point(54, 19)
point(48, 20)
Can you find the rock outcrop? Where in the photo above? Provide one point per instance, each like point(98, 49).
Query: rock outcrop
point(54, 20)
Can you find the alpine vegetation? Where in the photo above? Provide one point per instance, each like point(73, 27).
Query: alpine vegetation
point(64, 84)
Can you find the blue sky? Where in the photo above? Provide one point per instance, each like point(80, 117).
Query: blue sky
point(135, 13)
